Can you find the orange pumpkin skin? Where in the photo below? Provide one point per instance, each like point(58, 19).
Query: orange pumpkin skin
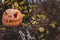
point(12, 18)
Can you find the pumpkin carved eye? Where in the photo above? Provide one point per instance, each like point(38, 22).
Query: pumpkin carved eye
point(5, 14)
point(15, 15)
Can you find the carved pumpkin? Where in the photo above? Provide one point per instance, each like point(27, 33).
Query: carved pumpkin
point(12, 17)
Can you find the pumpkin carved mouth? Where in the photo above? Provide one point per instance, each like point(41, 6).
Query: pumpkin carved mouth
point(11, 21)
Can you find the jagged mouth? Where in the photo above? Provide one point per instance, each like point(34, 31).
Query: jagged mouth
point(12, 21)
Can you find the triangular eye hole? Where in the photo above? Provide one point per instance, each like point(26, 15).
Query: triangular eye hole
point(5, 14)
point(15, 15)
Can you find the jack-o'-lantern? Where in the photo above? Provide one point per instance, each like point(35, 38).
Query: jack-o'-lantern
point(12, 17)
